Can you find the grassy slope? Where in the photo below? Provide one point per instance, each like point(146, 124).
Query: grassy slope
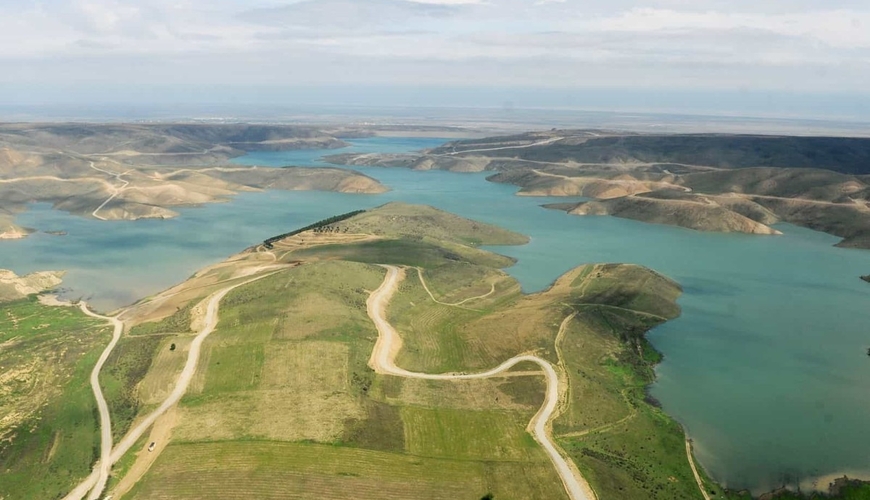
point(405, 252)
point(53, 440)
point(418, 221)
point(626, 447)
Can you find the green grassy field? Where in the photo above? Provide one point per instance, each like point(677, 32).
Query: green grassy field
point(307, 470)
point(49, 421)
point(127, 365)
point(419, 221)
point(404, 252)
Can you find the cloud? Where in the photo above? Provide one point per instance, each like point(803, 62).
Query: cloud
point(314, 15)
point(447, 2)
point(787, 44)
point(838, 28)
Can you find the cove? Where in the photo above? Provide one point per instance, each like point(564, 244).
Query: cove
point(766, 368)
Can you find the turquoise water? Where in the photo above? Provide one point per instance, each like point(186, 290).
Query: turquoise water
point(766, 368)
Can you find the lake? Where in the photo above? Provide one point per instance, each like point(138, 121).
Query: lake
point(766, 368)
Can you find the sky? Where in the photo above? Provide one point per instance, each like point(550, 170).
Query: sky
point(786, 57)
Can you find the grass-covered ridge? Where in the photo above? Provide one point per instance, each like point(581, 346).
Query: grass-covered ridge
point(418, 221)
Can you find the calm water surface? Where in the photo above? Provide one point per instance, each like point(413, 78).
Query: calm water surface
point(766, 368)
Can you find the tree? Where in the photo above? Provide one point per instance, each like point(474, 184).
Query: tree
point(172, 347)
point(488, 496)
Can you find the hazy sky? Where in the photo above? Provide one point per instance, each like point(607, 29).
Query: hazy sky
point(757, 47)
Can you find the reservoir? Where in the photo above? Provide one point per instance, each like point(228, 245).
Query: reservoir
point(766, 367)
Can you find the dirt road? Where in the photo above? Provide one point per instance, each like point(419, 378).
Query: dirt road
point(454, 304)
point(389, 344)
point(116, 190)
point(695, 469)
point(92, 483)
point(104, 465)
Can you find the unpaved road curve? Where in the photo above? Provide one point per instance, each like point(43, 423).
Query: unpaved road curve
point(104, 465)
point(455, 304)
point(116, 189)
point(383, 361)
point(133, 435)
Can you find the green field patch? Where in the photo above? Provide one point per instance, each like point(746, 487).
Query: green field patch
point(306, 366)
point(532, 480)
point(582, 275)
point(304, 471)
point(404, 252)
point(461, 281)
point(479, 435)
point(432, 334)
point(476, 394)
point(646, 458)
point(314, 314)
point(215, 418)
point(402, 219)
point(244, 326)
point(597, 378)
point(381, 429)
point(301, 392)
point(166, 365)
point(177, 322)
point(234, 368)
point(120, 377)
point(528, 391)
point(631, 287)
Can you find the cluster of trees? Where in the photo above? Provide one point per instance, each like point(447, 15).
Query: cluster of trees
point(317, 225)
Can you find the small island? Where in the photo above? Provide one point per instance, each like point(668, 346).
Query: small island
point(866, 278)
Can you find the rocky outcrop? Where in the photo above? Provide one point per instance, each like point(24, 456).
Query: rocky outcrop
point(14, 287)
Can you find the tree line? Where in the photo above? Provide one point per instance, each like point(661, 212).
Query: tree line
point(319, 224)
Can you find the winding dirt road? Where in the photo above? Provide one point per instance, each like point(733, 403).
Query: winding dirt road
point(116, 189)
point(389, 344)
point(454, 304)
point(104, 465)
point(95, 483)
